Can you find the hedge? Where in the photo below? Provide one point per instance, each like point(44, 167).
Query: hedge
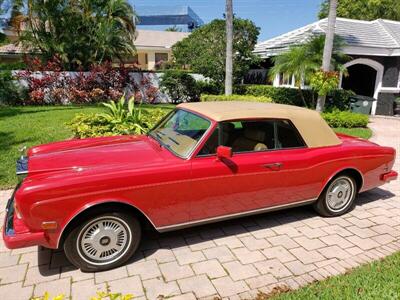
point(345, 119)
point(208, 98)
point(339, 99)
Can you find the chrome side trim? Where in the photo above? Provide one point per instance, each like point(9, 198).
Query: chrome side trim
point(232, 216)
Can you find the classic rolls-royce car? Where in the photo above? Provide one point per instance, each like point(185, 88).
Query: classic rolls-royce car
point(204, 162)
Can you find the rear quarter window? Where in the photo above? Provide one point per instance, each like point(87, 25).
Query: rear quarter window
point(287, 135)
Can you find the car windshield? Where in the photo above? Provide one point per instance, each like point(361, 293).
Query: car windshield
point(180, 132)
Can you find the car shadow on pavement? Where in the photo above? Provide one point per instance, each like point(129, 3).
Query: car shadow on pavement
point(53, 262)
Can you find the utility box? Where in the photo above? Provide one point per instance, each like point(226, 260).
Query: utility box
point(361, 104)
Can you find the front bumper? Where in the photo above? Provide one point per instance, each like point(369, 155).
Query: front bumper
point(16, 234)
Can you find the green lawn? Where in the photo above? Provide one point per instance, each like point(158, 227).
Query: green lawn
point(34, 125)
point(364, 133)
point(378, 280)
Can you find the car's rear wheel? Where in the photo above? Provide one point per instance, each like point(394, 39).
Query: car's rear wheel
point(104, 242)
point(337, 197)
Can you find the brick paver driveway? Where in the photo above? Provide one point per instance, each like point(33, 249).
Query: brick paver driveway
point(231, 259)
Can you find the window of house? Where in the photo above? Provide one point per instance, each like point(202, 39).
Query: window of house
point(248, 136)
point(161, 57)
point(285, 79)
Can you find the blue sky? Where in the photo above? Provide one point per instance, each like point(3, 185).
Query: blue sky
point(272, 16)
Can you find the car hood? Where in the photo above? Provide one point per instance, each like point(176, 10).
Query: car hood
point(92, 153)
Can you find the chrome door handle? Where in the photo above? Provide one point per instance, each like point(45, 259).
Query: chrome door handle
point(273, 166)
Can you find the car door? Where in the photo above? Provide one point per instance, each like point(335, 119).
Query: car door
point(263, 172)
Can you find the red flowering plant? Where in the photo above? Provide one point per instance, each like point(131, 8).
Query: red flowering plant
point(48, 84)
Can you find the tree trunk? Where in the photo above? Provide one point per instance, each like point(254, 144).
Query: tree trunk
point(229, 42)
point(302, 96)
point(330, 34)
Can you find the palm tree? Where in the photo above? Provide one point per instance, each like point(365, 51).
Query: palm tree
point(296, 62)
point(229, 46)
point(328, 48)
point(301, 61)
point(81, 33)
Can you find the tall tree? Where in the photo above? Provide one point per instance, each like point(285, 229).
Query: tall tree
point(80, 32)
point(204, 50)
point(364, 9)
point(329, 37)
point(229, 42)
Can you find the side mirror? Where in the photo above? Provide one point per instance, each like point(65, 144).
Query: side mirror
point(224, 152)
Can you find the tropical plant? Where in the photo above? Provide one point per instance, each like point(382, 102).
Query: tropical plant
point(94, 125)
point(324, 82)
point(302, 61)
point(80, 33)
point(364, 9)
point(204, 50)
point(119, 113)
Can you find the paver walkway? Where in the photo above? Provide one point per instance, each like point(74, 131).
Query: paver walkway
point(234, 259)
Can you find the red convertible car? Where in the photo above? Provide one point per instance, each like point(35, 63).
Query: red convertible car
point(204, 162)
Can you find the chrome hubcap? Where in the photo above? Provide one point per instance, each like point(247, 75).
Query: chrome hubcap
point(104, 240)
point(340, 194)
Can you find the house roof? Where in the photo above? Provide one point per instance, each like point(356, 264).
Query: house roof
point(12, 49)
point(146, 39)
point(378, 37)
point(158, 39)
point(309, 123)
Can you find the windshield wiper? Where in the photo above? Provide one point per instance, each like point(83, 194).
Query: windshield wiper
point(174, 141)
point(157, 137)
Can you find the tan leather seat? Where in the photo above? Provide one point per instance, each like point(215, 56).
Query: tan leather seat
point(250, 141)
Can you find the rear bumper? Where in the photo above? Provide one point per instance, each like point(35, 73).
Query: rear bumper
point(15, 232)
point(392, 175)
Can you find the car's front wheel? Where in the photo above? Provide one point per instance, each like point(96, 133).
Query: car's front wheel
point(103, 242)
point(337, 197)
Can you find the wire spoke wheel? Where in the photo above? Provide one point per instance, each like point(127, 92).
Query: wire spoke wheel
point(104, 240)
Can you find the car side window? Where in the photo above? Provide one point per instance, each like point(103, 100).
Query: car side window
point(248, 136)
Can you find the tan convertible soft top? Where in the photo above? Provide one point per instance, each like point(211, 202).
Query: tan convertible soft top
point(313, 129)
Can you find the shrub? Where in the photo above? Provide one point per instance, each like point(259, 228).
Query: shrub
point(339, 98)
point(118, 120)
point(10, 93)
point(277, 94)
point(48, 84)
point(345, 119)
point(180, 86)
point(209, 87)
point(207, 98)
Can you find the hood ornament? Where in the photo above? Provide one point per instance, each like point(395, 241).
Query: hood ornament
point(22, 151)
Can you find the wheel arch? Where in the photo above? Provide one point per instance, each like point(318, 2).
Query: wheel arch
point(97, 208)
point(352, 171)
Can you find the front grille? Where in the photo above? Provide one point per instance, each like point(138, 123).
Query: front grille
point(22, 167)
